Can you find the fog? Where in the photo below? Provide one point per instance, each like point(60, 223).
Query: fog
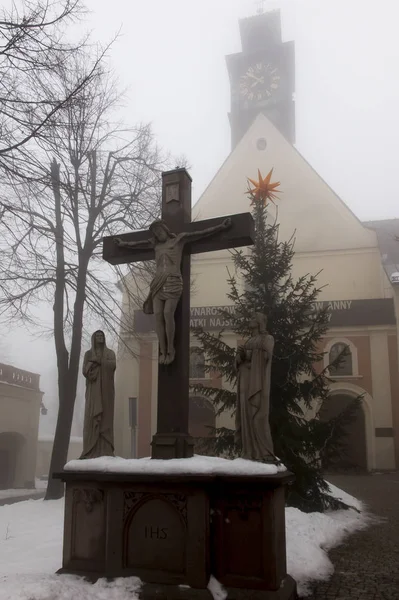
point(170, 57)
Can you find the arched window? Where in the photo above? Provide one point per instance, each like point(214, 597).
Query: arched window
point(344, 365)
point(197, 363)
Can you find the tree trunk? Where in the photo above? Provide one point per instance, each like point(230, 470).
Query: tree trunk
point(59, 456)
point(67, 386)
point(55, 488)
point(68, 365)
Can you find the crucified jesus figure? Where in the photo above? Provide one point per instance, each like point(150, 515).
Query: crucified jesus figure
point(167, 285)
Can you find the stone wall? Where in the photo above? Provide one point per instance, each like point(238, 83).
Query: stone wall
point(44, 449)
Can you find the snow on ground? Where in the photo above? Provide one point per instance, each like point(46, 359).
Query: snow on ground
point(66, 587)
point(41, 484)
point(197, 465)
point(31, 551)
point(31, 537)
point(15, 493)
point(346, 498)
point(310, 536)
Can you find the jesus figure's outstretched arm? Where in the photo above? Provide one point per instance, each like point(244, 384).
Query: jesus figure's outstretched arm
point(143, 243)
point(225, 224)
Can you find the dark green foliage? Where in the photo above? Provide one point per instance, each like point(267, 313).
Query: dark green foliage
point(299, 381)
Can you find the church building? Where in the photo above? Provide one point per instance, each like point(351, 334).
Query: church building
point(356, 271)
point(21, 402)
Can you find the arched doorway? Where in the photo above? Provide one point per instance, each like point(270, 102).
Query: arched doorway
point(354, 456)
point(11, 445)
point(201, 420)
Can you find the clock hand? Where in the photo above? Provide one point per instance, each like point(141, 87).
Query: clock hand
point(258, 79)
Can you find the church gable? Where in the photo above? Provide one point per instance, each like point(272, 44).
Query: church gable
point(307, 204)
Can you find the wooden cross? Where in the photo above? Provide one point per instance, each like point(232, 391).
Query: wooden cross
point(172, 439)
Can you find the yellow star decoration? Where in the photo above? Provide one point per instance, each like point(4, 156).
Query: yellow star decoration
point(263, 190)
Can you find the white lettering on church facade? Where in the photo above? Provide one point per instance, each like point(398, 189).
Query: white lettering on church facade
point(208, 311)
point(338, 312)
point(334, 305)
point(197, 322)
point(219, 323)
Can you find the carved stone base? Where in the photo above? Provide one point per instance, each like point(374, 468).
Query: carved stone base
point(177, 445)
point(175, 530)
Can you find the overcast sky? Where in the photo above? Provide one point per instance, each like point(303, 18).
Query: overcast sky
point(170, 56)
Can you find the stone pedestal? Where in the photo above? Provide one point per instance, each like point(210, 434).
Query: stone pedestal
point(177, 530)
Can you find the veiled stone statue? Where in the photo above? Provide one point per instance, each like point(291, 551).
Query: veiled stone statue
point(98, 368)
point(167, 284)
point(253, 363)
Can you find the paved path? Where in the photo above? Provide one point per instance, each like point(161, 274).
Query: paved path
point(26, 495)
point(367, 564)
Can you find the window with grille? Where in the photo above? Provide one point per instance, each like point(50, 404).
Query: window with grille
point(341, 353)
point(133, 426)
point(133, 412)
point(197, 364)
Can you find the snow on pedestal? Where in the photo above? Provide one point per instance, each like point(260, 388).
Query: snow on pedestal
point(197, 465)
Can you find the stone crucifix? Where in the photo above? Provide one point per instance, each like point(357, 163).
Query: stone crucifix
point(171, 241)
point(167, 285)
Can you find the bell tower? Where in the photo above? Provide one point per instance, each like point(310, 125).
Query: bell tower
point(262, 77)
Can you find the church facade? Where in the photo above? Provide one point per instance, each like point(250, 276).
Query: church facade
point(329, 240)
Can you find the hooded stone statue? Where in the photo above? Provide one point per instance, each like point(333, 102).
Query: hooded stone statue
point(98, 368)
point(253, 364)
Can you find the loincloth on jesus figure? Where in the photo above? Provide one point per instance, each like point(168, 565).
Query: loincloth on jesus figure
point(164, 286)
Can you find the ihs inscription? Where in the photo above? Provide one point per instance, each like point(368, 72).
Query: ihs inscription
point(154, 532)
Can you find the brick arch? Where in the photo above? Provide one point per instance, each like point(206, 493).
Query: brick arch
point(363, 427)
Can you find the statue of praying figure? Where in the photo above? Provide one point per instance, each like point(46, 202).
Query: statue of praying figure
point(167, 284)
point(253, 363)
point(99, 365)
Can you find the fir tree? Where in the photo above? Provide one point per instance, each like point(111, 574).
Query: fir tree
point(299, 383)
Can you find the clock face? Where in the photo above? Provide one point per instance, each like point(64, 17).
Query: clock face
point(259, 82)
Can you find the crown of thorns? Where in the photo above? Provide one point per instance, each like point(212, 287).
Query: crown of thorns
point(160, 223)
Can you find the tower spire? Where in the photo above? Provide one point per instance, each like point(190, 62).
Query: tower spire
point(260, 7)
point(263, 6)
point(262, 75)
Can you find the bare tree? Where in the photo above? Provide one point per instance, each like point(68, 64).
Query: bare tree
point(85, 178)
point(32, 48)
